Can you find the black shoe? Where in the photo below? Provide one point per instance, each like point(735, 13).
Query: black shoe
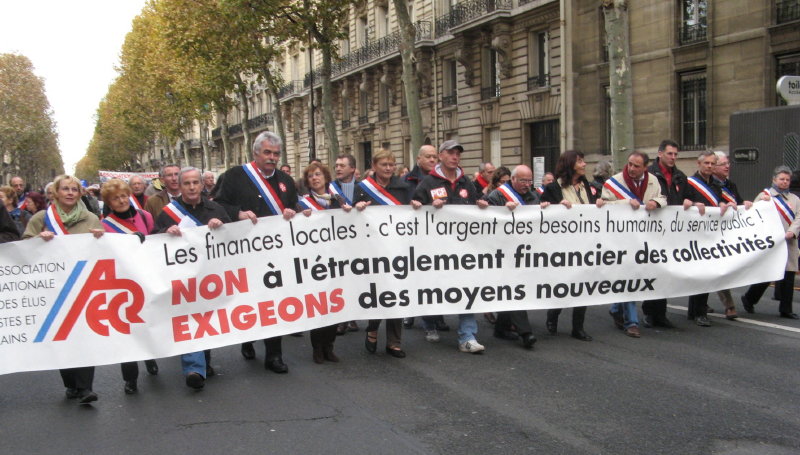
point(662, 321)
point(647, 321)
point(130, 387)
point(747, 305)
point(152, 367)
point(581, 335)
point(619, 321)
point(408, 323)
point(72, 393)
point(441, 326)
point(505, 335)
point(528, 340)
point(195, 380)
point(276, 365)
point(371, 345)
point(248, 351)
point(702, 321)
point(86, 397)
point(552, 327)
point(398, 353)
point(790, 315)
point(210, 371)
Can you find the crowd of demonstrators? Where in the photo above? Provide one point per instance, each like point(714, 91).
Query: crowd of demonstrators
point(185, 197)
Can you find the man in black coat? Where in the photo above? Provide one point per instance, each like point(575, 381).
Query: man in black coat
point(8, 231)
point(255, 190)
point(672, 182)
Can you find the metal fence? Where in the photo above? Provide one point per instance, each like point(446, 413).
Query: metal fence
point(539, 81)
point(693, 33)
point(787, 10)
point(492, 91)
point(466, 11)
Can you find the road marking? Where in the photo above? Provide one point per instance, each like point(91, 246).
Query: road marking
point(745, 320)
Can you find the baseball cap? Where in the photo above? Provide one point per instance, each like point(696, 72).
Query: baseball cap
point(449, 145)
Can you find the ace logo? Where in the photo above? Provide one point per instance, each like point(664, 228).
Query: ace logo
point(105, 301)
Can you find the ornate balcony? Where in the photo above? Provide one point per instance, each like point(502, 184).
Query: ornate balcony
point(540, 81)
point(696, 33)
point(463, 12)
point(261, 120)
point(363, 119)
point(235, 129)
point(493, 91)
point(450, 100)
point(292, 88)
point(787, 10)
point(216, 132)
point(383, 116)
point(345, 123)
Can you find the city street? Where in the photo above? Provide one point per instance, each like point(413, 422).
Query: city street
point(728, 389)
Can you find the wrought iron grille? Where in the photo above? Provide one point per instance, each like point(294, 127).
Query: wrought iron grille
point(693, 33)
point(362, 119)
point(463, 12)
point(449, 100)
point(539, 81)
point(291, 88)
point(263, 119)
point(235, 129)
point(492, 91)
point(345, 123)
point(376, 49)
point(787, 10)
point(216, 132)
point(383, 116)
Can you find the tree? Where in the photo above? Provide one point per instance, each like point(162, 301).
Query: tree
point(620, 84)
point(27, 129)
point(408, 37)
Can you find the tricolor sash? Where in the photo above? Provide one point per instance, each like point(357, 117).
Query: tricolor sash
point(182, 217)
point(540, 189)
point(783, 207)
point(22, 203)
point(728, 195)
point(119, 225)
point(619, 190)
point(510, 193)
point(377, 192)
point(268, 194)
point(135, 202)
point(308, 202)
point(336, 190)
point(703, 189)
point(52, 221)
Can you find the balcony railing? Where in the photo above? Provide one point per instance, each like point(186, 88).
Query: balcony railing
point(383, 116)
point(693, 33)
point(493, 91)
point(787, 10)
point(235, 129)
point(376, 49)
point(449, 100)
point(363, 119)
point(542, 80)
point(345, 123)
point(463, 12)
point(261, 120)
point(291, 88)
point(216, 132)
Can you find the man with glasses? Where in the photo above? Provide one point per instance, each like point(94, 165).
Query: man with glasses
point(252, 191)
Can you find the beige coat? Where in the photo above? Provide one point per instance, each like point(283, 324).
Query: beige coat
point(85, 223)
point(791, 244)
point(651, 193)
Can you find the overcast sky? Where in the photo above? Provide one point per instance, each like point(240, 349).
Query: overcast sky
point(74, 46)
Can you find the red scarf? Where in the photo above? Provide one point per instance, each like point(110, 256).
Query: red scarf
point(638, 190)
point(667, 171)
point(482, 181)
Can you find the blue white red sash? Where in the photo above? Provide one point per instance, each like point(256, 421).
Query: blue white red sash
point(52, 221)
point(22, 203)
point(510, 193)
point(728, 195)
point(703, 189)
point(783, 207)
point(135, 202)
point(267, 192)
point(308, 202)
point(619, 190)
point(377, 192)
point(540, 189)
point(336, 190)
point(182, 217)
point(119, 225)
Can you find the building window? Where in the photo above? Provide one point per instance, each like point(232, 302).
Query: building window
point(382, 21)
point(450, 84)
point(383, 102)
point(362, 31)
point(787, 10)
point(538, 60)
point(786, 65)
point(693, 111)
point(545, 142)
point(694, 22)
point(490, 75)
point(363, 108)
point(344, 43)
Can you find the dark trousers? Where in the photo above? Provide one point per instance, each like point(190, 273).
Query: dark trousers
point(655, 307)
point(323, 336)
point(698, 305)
point(78, 378)
point(518, 320)
point(784, 289)
point(578, 315)
point(272, 346)
point(394, 330)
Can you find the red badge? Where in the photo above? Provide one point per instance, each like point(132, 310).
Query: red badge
point(463, 193)
point(282, 187)
point(594, 191)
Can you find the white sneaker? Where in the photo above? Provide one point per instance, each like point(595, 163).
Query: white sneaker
point(472, 346)
point(432, 336)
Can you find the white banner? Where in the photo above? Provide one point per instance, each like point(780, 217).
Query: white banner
point(107, 175)
point(77, 300)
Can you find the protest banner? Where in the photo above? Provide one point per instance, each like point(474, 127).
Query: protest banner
point(107, 175)
point(77, 300)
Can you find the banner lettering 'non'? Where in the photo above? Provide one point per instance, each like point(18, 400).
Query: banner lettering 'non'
point(77, 300)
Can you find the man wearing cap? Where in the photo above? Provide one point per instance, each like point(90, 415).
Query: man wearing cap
point(447, 184)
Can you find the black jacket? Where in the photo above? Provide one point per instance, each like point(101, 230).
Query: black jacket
point(396, 187)
point(731, 187)
point(674, 193)
point(204, 211)
point(8, 230)
point(695, 196)
point(460, 192)
point(412, 179)
point(497, 198)
point(552, 192)
point(238, 193)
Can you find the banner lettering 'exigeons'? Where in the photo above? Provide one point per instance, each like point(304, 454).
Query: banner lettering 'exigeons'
point(77, 300)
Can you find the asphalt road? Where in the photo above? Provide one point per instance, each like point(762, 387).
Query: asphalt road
point(728, 389)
